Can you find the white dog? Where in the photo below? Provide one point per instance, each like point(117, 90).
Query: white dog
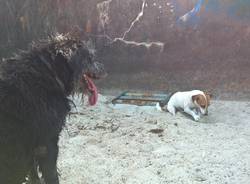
point(194, 103)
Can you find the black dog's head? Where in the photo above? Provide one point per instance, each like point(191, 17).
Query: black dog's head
point(72, 53)
point(85, 69)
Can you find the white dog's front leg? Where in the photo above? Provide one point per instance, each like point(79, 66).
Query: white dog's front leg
point(192, 113)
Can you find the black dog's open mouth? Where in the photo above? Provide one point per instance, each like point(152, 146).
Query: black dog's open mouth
point(95, 72)
point(90, 89)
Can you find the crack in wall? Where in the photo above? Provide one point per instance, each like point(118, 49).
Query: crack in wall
point(103, 9)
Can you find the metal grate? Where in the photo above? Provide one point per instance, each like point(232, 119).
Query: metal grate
point(141, 99)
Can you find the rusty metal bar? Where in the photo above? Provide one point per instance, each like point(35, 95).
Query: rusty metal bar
point(138, 98)
point(145, 94)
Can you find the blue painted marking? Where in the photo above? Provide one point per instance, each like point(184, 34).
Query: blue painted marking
point(191, 17)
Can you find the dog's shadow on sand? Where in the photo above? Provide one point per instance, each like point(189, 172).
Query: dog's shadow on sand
point(203, 119)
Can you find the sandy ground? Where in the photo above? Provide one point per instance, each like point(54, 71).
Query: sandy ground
point(109, 144)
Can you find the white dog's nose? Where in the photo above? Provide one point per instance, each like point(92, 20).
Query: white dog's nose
point(203, 111)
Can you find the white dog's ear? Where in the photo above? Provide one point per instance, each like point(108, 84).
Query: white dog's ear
point(195, 98)
point(208, 97)
point(209, 94)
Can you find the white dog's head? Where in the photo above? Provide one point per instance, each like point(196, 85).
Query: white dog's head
point(202, 102)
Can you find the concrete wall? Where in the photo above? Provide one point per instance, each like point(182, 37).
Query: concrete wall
point(147, 44)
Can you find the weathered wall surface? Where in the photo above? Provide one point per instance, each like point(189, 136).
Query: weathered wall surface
point(207, 49)
point(147, 44)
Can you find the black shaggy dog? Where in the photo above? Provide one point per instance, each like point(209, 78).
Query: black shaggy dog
point(34, 86)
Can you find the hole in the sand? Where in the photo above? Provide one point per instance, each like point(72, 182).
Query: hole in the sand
point(156, 131)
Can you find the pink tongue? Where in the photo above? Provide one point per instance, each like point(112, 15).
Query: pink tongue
point(93, 97)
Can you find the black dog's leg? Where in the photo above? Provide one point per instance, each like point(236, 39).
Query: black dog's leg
point(33, 176)
point(14, 165)
point(48, 162)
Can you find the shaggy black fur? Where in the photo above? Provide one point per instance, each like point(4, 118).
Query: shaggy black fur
point(34, 86)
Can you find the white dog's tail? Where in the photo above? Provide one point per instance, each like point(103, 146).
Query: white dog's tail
point(161, 106)
point(158, 107)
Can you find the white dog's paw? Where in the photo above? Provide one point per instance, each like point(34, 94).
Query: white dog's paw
point(196, 118)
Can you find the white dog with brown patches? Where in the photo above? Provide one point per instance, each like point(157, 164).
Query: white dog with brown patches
point(194, 103)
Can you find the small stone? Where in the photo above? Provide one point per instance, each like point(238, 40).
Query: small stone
point(200, 178)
